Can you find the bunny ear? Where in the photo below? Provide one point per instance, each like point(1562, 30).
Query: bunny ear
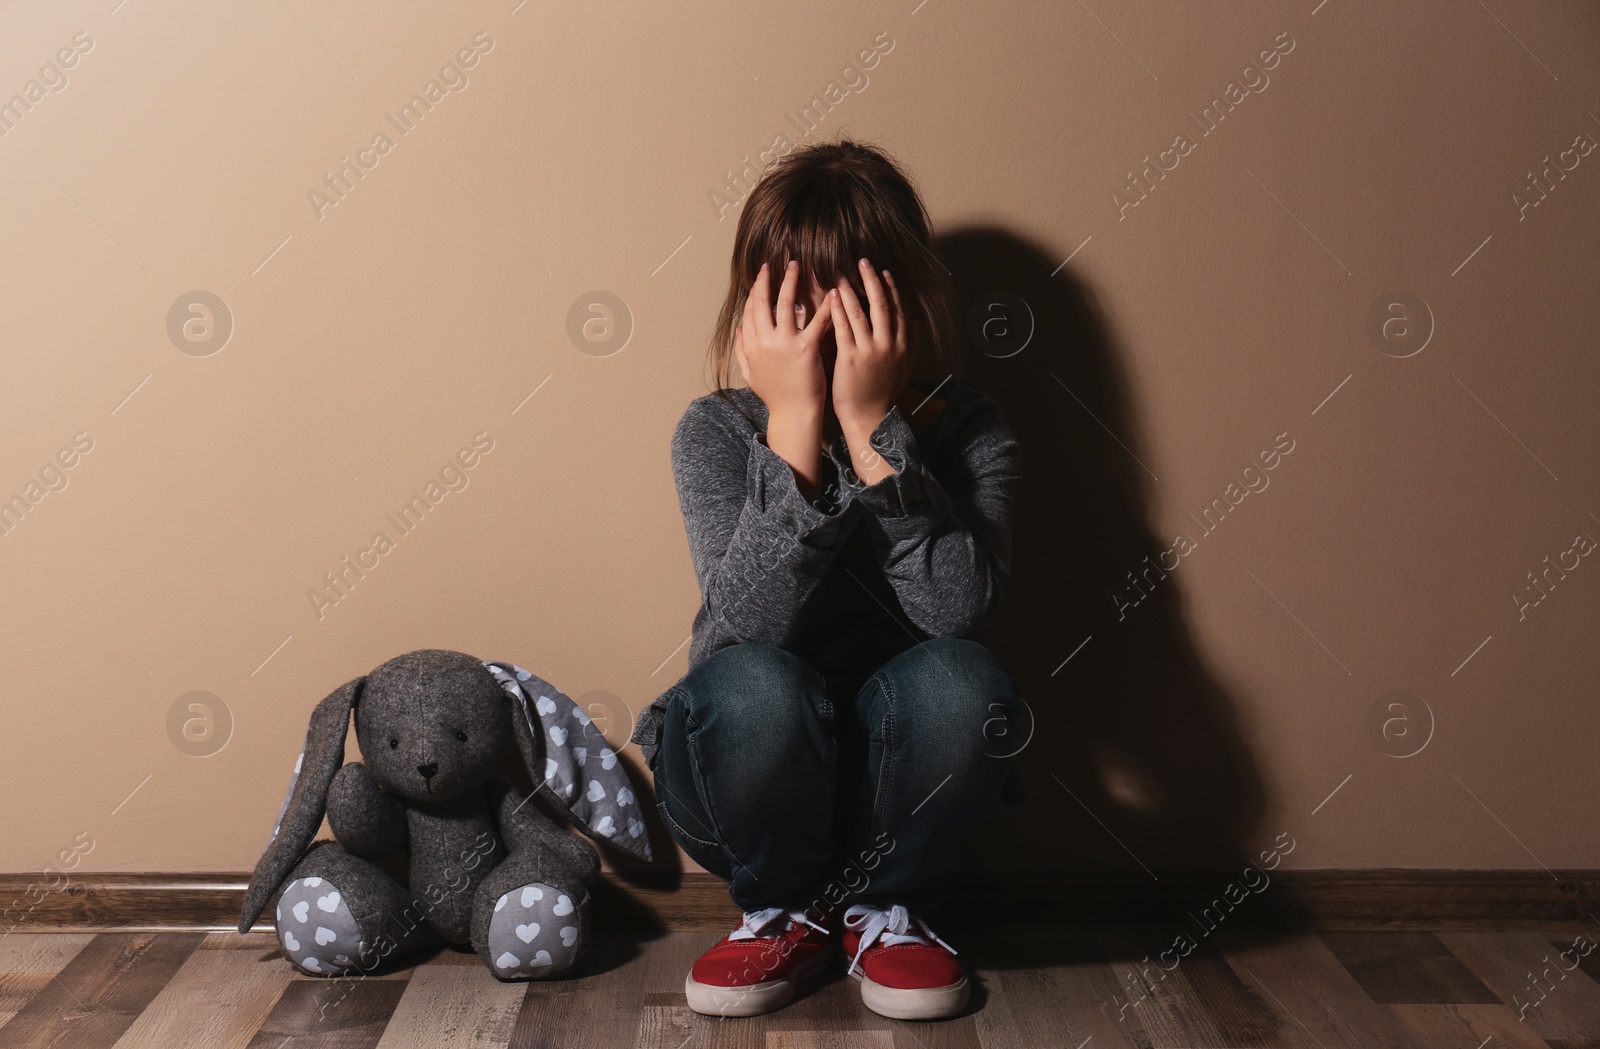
point(303, 806)
point(575, 768)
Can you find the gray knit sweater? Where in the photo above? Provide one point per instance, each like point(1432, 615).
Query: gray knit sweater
point(863, 572)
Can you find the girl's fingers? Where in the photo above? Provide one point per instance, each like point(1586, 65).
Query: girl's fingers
point(791, 277)
point(882, 321)
point(749, 318)
point(854, 316)
point(843, 334)
point(759, 305)
point(819, 324)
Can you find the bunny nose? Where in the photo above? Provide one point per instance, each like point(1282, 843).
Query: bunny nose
point(429, 769)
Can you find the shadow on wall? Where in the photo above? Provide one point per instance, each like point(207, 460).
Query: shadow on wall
point(1130, 732)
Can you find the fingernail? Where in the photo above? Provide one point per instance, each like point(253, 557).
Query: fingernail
point(763, 267)
point(865, 264)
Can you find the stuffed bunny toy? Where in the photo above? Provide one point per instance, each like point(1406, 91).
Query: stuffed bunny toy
point(485, 867)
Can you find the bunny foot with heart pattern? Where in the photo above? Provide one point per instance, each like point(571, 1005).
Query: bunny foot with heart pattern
point(534, 931)
point(530, 915)
point(339, 914)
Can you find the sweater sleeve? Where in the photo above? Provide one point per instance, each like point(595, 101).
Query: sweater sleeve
point(759, 547)
point(945, 545)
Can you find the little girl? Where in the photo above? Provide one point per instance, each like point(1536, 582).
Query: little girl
point(850, 526)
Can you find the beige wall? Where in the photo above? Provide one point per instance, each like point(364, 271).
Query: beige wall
point(374, 337)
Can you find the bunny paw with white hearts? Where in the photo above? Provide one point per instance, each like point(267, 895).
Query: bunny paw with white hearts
point(534, 932)
point(316, 928)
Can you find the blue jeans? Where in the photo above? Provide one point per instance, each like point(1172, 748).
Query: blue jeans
point(804, 792)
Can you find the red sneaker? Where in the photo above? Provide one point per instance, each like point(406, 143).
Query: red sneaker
point(754, 969)
point(906, 972)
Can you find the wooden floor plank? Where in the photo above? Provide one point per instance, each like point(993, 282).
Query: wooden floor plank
point(666, 961)
point(28, 962)
point(1465, 1026)
point(1559, 1007)
point(1014, 1008)
point(34, 952)
point(957, 1033)
point(1320, 1004)
point(664, 1021)
point(597, 1008)
point(100, 992)
point(1027, 1006)
point(1163, 1003)
point(232, 940)
point(664, 1016)
point(830, 1039)
point(330, 1014)
point(727, 1032)
point(1407, 968)
point(453, 1007)
point(215, 1001)
point(1336, 990)
point(830, 1004)
point(1056, 989)
point(1580, 947)
point(1246, 1018)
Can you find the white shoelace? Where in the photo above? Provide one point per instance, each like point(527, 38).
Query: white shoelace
point(893, 924)
point(755, 921)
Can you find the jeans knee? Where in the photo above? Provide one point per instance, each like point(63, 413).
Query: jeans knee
point(954, 694)
point(754, 723)
point(754, 691)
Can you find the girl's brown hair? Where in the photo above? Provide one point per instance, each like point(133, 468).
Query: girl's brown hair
point(827, 205)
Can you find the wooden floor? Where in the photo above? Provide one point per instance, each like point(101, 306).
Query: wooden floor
point(1330, 990)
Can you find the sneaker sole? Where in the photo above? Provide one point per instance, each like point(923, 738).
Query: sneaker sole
point(752, 999)
point(920, 1003)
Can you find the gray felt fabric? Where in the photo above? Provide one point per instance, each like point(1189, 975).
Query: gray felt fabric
point(302, 813)
point(283, 806)
point(388, 920)
point(931, 543)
